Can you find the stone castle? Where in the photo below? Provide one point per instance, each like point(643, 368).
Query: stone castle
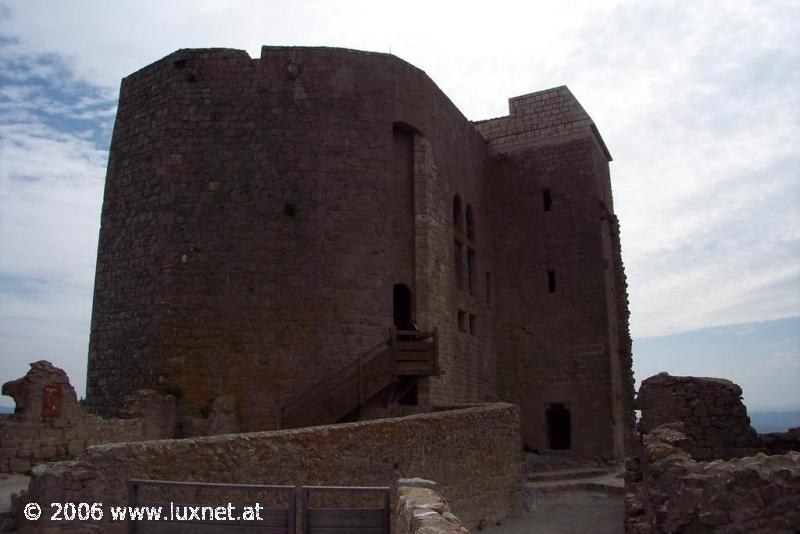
point(268, 222)
point(319, 236)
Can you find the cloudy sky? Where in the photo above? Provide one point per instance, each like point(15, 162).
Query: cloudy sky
point(699, 103)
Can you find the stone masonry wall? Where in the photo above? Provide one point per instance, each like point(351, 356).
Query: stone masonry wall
point(562, 323)
point(420, 509)
point(711, 410)
point(473, 454)
point(258, 212)
point(667, 491)
point(50, 424)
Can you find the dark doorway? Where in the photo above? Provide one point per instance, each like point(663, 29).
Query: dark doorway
point(402, 308)
point(559, 429)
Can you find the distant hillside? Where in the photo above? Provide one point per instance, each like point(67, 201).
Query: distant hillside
point(6, 409)
point(765, 422)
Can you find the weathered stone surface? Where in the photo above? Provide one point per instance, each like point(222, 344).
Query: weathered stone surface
point(473, 454)
point(28, 438)
point(424, 511)
point(27, 392)
point(711, 411)
point(669, 492)
point(669, 488)
point(224, 417)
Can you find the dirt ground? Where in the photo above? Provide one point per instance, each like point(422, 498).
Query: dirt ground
point(567, 512)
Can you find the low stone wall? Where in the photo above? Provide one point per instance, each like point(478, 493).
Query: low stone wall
point(668, 491)
point(421, 510)
point(50, 424)
point(711, 410)
point(474, 455)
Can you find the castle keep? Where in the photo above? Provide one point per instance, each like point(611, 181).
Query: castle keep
point(267, 221)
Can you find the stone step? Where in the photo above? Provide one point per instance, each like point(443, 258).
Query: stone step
point(566, 474)
point(577, 480)
point(577, 485)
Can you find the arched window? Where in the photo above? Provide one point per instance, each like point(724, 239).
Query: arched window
point(457, 219)
point(470, 222)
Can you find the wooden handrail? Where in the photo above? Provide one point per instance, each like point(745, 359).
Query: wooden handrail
point(325, 379)
point(324, 389)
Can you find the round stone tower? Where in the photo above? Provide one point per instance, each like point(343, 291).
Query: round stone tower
point(258, 215)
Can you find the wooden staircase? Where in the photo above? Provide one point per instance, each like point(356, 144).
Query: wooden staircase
point(393, 364)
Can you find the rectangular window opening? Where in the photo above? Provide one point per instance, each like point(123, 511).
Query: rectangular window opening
point(462, 321)
point(547, 200)
point(551, 281)
point(473, 324)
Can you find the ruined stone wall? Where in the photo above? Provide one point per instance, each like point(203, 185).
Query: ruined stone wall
point(472, 454)
point(420, 509)
point(668, 491)
point(563, 323)
point(711, 410)
point(257, 214)
point(50, 424)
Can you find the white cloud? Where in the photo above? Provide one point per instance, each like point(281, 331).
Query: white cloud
point(50, 193)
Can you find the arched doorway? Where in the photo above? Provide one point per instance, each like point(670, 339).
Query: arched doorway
point(559, 429)
point(403, 307)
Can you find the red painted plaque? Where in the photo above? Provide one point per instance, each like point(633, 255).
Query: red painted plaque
point(52, 395)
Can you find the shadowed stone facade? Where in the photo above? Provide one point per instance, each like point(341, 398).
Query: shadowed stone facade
point(260, 213)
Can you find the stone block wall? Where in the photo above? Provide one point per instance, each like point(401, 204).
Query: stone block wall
point(50, 424)
point(562, 323)
point(422, 510)
point(711, 410)
point(258, 212)
point(667, 491)
point(474, 455)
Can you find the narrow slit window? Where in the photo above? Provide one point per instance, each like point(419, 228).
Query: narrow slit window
point(551, 281)
point(547, 200)
point(473, 324)
point(457, 217)
point(462, 321)
point(471, 275)
point(459, 263)
point(470, 223)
